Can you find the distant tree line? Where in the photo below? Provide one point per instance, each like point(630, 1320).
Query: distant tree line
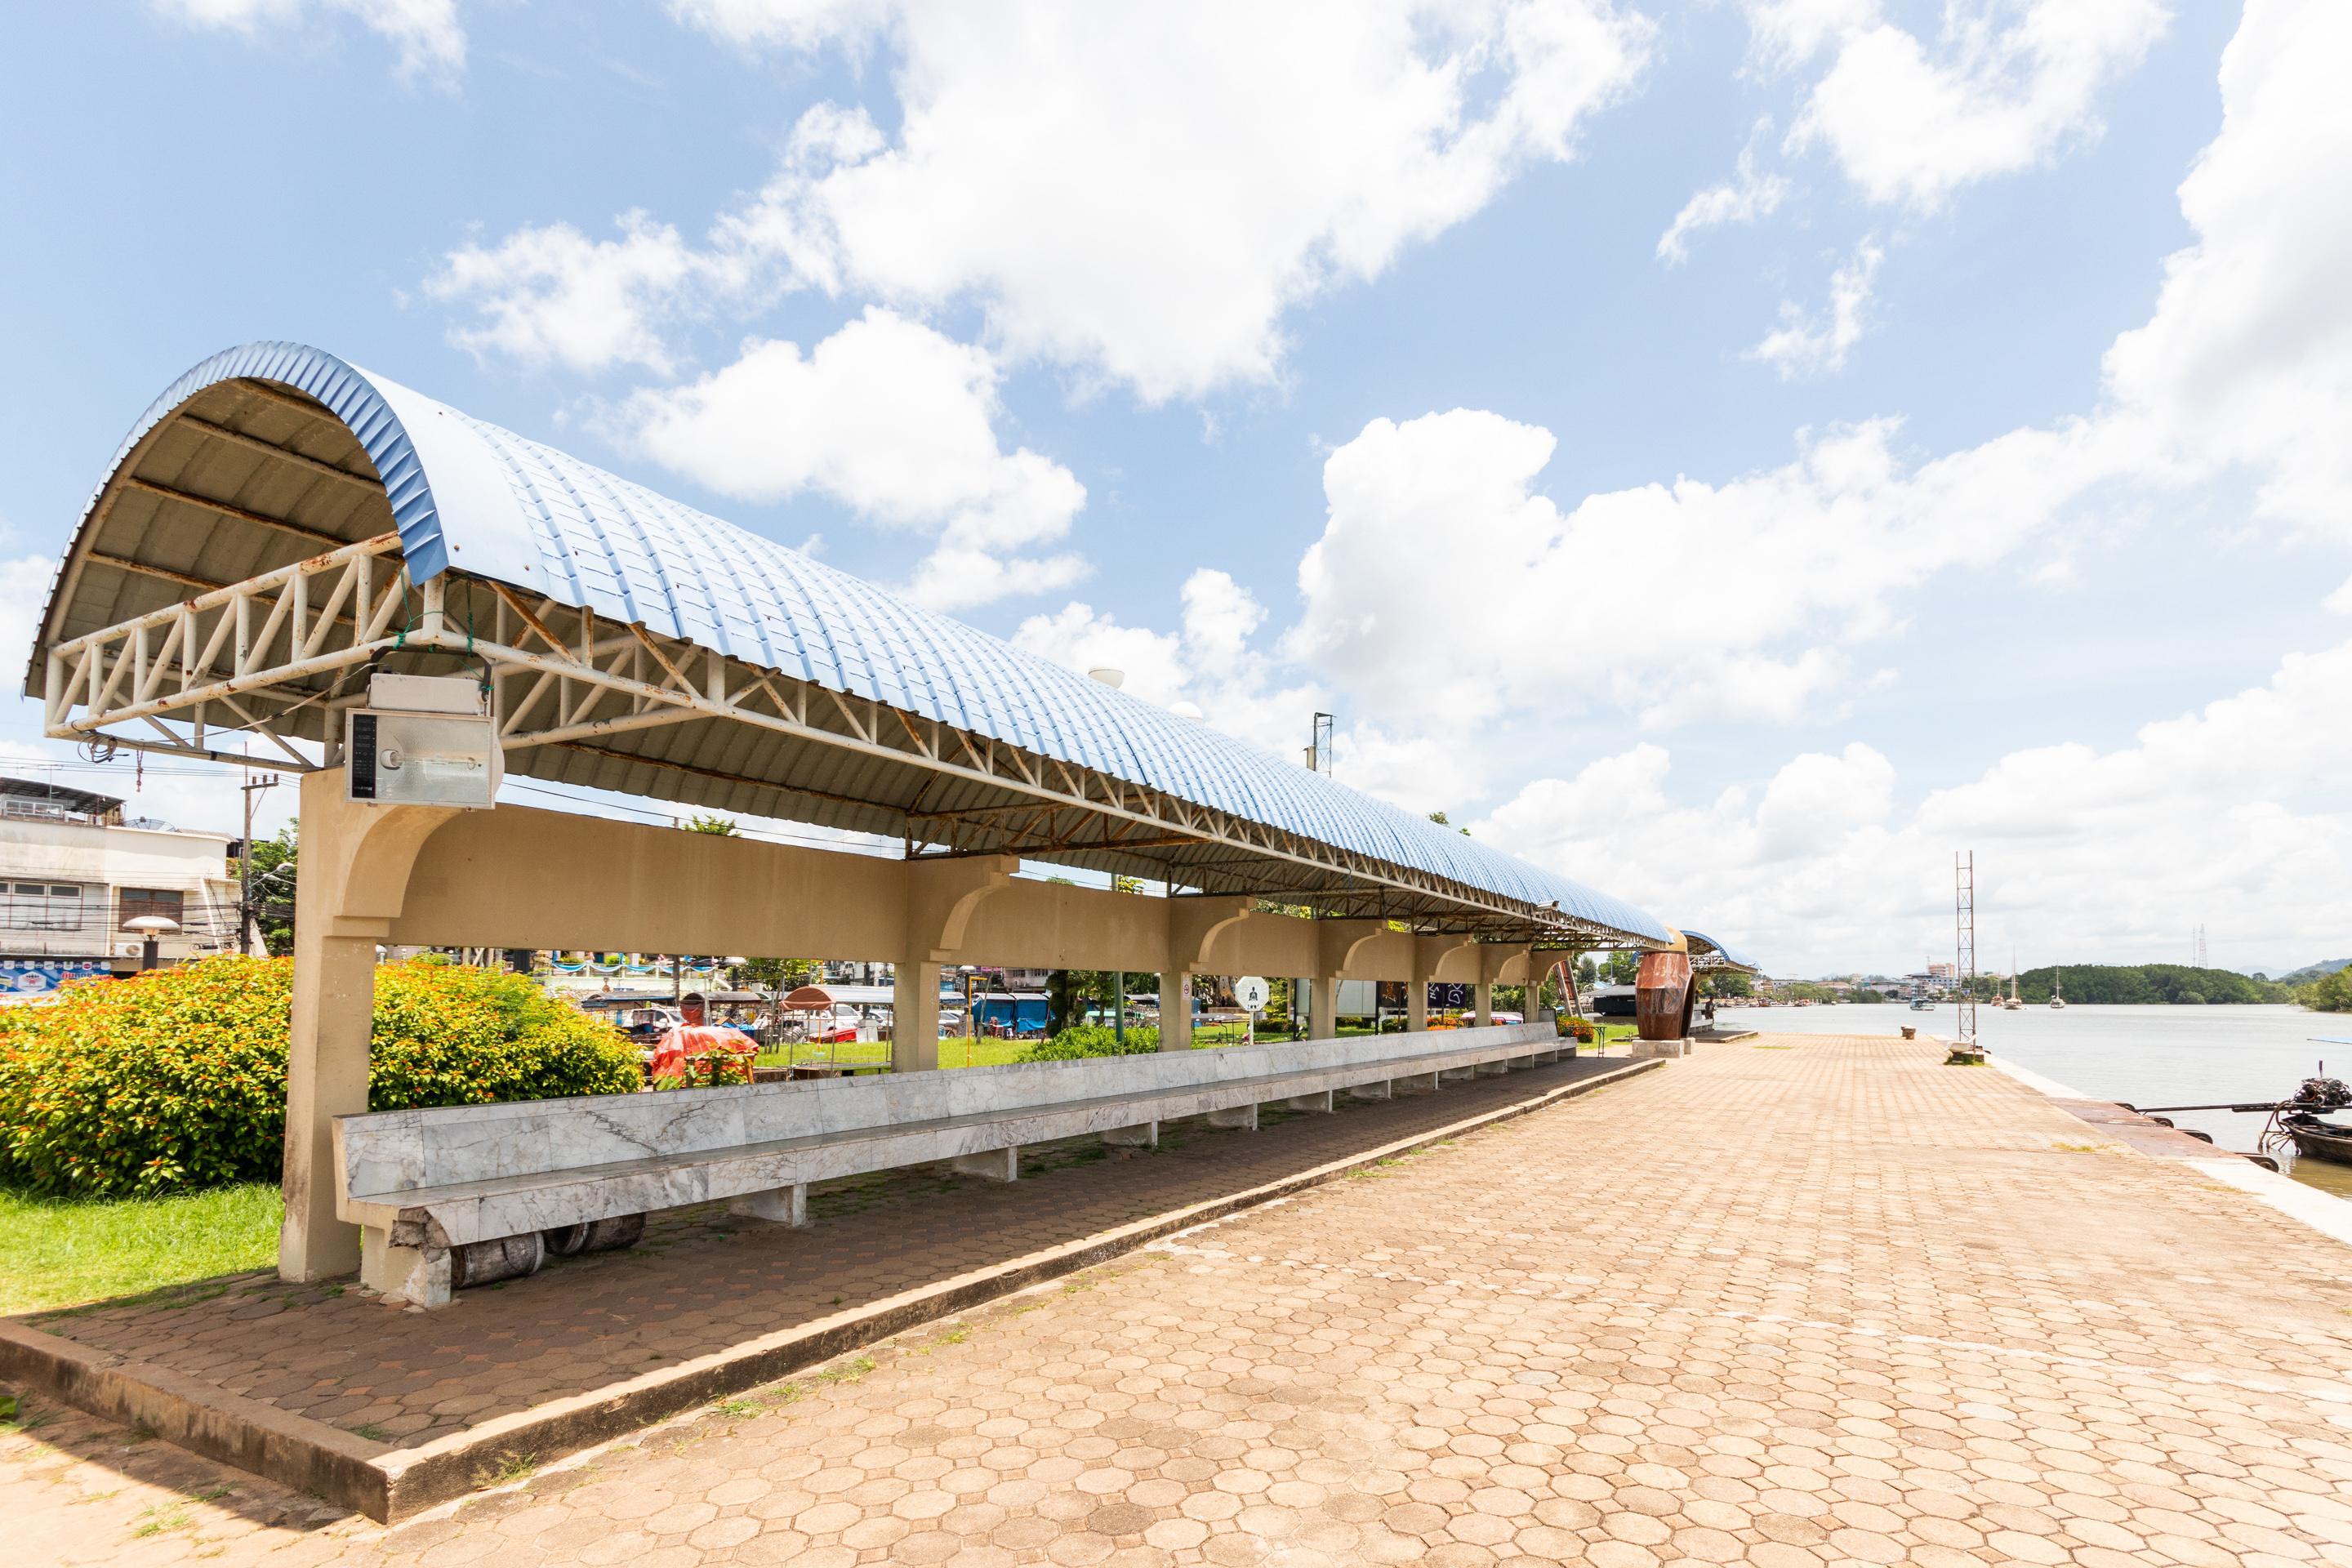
point(2328, 993)
point(2147, 984)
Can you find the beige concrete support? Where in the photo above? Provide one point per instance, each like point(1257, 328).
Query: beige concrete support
point(356, 861)
point(994, 1165)
point(1319, 1101)
point(1175, 1010)
point(778, 1205)
point(1373, 1091)
point(1496, 962)
point(1323, 1012)
point(915, 1017)
point(1244, 1117)
point(1142, 1135)
point(1416, 1003)
point(326, 1076)
point(404, 1272)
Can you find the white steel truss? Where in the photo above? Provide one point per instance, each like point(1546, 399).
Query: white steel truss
point(267, 659)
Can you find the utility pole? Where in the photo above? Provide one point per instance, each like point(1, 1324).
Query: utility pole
point(244, 923)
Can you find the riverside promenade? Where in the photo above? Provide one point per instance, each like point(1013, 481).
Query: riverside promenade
point(1796, 1300)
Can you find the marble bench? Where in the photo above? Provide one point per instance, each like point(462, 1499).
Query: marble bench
point(463, 1194)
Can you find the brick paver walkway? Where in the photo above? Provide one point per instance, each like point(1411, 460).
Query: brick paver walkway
point(704, 1279)
point(1793, 1303)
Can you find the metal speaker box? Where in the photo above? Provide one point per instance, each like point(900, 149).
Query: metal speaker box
point(421, 759)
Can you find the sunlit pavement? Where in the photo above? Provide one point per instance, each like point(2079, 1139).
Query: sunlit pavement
point(1792, 1301)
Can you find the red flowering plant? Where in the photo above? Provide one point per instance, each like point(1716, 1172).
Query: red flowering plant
point(177, 1080)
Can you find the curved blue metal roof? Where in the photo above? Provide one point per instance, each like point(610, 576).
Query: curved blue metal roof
point(1739, 959)
point(469, 495)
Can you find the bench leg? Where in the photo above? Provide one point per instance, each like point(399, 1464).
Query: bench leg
point(1244, 1117)
point(777, 1205)
point(1495, 1069)
point(417, 1274)
point(1454, 1075)
point(1142, 1135)
point(1417, 1083)
point(1382, 1090)
point(1319, 1100)
point(994, 1165)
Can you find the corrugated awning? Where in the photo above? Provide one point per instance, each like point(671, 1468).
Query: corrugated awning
point(1708, 953)
point(280, 522)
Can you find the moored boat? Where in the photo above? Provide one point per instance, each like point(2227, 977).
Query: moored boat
point(2318, 1140)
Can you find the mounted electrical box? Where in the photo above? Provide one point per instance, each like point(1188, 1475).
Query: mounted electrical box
point(423, 741)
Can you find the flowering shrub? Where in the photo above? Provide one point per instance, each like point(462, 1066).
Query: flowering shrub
point(177, 1079)
point(716, 1067)
point(1576, 1029)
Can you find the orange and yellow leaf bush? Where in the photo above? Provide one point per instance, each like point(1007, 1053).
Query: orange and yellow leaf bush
point(177, 1080)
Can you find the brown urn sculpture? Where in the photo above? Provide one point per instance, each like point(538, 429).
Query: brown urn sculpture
point(1662, 995)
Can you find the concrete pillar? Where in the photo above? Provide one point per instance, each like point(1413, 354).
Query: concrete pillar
point(326, 1076)
point(1485, 1013)
point(915, 1017)
point(355, 862)
point(1324, 1015)
point(1416, 1003)
point(1176, 1010)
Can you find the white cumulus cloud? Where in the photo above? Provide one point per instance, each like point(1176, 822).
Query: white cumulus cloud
point(894, 420)
point(1141, 193)
point(550, 294)
point(1806, 344)
point(1750, 591)
point(2078, 850)
point(2001, 85)
point(1746, 197)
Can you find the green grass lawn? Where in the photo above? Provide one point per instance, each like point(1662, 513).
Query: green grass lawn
point(65, 1252)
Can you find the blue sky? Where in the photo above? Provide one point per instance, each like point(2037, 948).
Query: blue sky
point(1333, 358)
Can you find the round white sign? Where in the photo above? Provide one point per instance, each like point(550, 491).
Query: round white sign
point(1252, 993)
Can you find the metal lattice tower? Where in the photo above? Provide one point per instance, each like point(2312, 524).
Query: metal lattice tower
point(1964, 968)
point(1319, 746)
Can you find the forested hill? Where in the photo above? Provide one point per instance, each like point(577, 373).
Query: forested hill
point(2143, 983)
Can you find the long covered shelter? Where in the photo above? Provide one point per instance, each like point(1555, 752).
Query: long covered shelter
point(281, 527)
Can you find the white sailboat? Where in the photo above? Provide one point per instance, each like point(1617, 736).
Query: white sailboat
point(2057, 997)
point(2011, 1003)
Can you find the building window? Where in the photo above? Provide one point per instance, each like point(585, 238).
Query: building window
point(133, 902)
point(42, 906)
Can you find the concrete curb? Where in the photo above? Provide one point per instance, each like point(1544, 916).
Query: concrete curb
point(389, 1484)
point(2323, 1211)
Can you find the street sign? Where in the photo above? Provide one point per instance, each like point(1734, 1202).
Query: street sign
point(1252, 993)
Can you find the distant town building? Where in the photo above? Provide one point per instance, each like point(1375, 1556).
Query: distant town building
point(72, 872)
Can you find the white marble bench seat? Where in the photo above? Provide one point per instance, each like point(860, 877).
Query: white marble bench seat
point(451, 1195)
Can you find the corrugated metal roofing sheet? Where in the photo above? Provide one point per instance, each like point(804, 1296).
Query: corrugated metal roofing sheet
point(469, 495)
point(1739, 959)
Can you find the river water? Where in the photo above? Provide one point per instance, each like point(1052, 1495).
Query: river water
point(2141, 1056)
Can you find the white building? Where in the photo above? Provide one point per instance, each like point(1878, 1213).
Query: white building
point(72, 872)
